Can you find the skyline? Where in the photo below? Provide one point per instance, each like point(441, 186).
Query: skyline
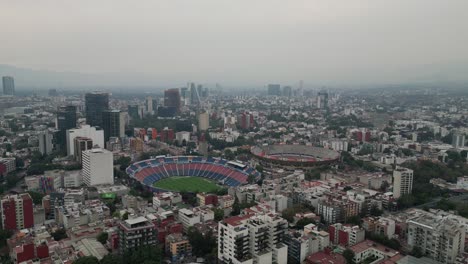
point(158, 43)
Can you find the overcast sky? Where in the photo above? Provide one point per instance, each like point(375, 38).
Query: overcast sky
point(240, 41)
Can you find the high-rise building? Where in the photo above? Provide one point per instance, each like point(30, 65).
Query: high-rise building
point(322, 100)
point(441, 238)
point(274, 89)
point(97, 136)
point(95, 104)
point(81, 144)
point(149, 105)
point(46, 145)
point(135, 233)
point(247, 120)
point(113, 123)
point(17, 211)
point(458, 140)
point(133, 111)
point(194, 95)
point(252, 238)
point(402, 182)
point(66, 119)
point(172, 99)
point(8, 85)
point(97, 167)
point(287, 91)
point(203, 121)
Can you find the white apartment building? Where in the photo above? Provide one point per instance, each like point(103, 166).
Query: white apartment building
point(97, 167)
point(440, 238)
point(252, 239)
point(97, 136)
point(402, 182)
point(194, 216)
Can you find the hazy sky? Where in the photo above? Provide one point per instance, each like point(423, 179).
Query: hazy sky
point(240, 41)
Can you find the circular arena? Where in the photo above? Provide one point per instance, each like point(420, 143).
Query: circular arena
point(221, 171)
point(295, 155)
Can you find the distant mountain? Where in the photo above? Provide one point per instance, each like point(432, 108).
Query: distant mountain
point(44, 79)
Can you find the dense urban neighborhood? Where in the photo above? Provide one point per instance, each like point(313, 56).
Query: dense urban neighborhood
point(284, 174)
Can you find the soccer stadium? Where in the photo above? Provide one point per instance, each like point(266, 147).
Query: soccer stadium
point(295, 155)
point(221, 171)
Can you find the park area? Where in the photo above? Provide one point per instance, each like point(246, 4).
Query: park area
point(188, 184)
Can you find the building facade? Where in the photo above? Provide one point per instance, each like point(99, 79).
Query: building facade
point(97, 167)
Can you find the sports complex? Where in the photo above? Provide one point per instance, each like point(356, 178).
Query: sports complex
point(295, 155)
point(190, 173)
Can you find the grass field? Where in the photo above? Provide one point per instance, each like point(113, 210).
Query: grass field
point(190, 184)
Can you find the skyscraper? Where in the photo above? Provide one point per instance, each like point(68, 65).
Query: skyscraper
point(322, 100)
point(8, 85)
point(46, 145)
point(274, 89)
point(97, 167)
point(149, 105)
point(402, 181)
point(17, 212)
point(113, 123)
point(66, 119)
point(96, 103)
point(172, 99)
point(458, 140)
point(194, 95)
point(203, 121)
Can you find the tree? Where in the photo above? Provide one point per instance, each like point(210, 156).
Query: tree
point(102, 237)
point(36, 197)
point(125, 216)
point(202, 245)
point(417, 252)
point(348, 254)
point(375, 211)
point(251, 179)
point(218, 214)
point(236, 206)
point(87, 260)
point(303, 222)
point(59, 234)
point(145, 254)
point(4, 235)
point(111, 259)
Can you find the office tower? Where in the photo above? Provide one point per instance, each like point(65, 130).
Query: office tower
point(247, 120)
point(66, 119)
point(441, 238)
point(274, 89)
point(252, 238)
point(113, 123)
point(203, 121)
point(287, 91)
point(97, 167)
point(322, 100)
point(46, 145)
point(149, 105)
point(458, 140)
point(17, 211)
point(135, 233)
point(194, 95)
point(133, 111)
point(8, 85)
point(172, 99)
point(96, 103)
point(97, 136)
point(402, 181)
point(81, 144)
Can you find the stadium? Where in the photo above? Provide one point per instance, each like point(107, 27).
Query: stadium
point(221, 171)
point(295, 155)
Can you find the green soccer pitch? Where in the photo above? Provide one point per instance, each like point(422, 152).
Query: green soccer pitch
point(189, 184)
